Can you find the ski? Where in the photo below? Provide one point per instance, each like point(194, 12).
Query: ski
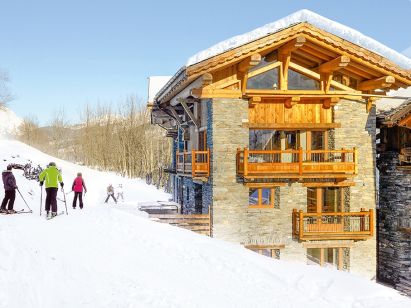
point(58, 214)
point(18, 212)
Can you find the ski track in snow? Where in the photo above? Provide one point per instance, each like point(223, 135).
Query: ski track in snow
point(113, 256)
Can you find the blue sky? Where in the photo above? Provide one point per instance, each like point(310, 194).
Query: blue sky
point(64, 54)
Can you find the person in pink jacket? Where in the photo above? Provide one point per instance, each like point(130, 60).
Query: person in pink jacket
point(77, 187)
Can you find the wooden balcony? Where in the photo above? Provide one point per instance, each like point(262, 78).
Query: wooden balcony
point(297, 163)
point(195, 163)
point(333, 226)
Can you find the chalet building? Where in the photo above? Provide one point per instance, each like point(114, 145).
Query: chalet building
point(394, 164)
point(274, 136)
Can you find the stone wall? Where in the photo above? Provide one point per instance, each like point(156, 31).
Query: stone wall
point(358, 130)
point(394, 251)
point(234, 221)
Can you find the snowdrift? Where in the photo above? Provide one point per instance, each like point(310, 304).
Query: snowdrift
point(111, 255)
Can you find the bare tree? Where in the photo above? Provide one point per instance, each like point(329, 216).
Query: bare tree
point(5, 94)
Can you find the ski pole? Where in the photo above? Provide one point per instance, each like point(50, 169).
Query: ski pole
point(65, 203)
point(24, 200)
point(41, 198)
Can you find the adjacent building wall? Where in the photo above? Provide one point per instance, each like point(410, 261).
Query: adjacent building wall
point(394, 253)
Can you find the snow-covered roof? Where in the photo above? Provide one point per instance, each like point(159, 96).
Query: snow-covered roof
point(388, 104)
point(155, 84)
point(314, 19)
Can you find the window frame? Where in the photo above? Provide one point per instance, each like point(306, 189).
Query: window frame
point(260, 204)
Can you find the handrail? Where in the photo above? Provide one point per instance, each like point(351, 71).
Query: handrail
point(194, 163)
point(298, 162)
point(341, 225)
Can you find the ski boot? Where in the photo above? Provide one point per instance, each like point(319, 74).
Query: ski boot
point(11, 211)
point(47, 214)
point(53, 214)
point(3, 211)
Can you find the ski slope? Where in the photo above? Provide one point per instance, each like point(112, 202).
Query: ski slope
point(113, 256)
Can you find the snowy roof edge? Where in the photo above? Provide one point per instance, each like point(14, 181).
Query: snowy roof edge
point(312, 18)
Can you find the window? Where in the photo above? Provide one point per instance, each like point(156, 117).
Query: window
point(260, 139)
point(328, 257)
point(263, 197)
point(266, 80)
point(325, 200)
point(297, 81)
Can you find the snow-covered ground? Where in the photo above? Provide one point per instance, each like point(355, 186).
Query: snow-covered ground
point(113, 256)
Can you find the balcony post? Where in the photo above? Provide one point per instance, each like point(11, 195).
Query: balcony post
point(245, 160)
point(301, 223)
point(300, 160)
point(371, 222)
point(208, 161)
point(343, 155)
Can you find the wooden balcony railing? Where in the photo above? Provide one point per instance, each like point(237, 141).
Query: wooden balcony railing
point(325, 226)
point(297, 163)
point(194, 163)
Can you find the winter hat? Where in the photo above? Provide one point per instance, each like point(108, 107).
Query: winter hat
point(9, 167)
point(79, 174)
point(52, 164)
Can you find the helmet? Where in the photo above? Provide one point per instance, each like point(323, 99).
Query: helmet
point(52, 164)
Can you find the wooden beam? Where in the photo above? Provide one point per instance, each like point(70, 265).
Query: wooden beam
point(175, 115)
point(264, 69)
point(265, 185)
point(291, 101)
point(378, 83)
point(329, 184)
point(189, 113)
point(334, 65)
point(216, 93)
point(295, 126)
point(292, 45)
point(253, 101)
point(249, 62)
point(206, 79)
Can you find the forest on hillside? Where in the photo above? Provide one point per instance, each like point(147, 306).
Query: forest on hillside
point(119, 139)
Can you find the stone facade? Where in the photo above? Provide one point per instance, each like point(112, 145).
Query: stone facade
point(234, 221)
point(394, 251)
point(358, 129)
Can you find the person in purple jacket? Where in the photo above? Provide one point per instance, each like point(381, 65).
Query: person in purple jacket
point(10, 187)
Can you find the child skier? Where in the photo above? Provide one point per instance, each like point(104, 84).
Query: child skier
point(77, 187)
point(119, 190)
point(52, 176)
point(110, 193)
point(9, 182)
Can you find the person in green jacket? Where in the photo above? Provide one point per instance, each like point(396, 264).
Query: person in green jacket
point(52, 176)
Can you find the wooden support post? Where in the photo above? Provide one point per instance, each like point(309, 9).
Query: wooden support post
point(322, 256)
point(284, 56)
point(189, 113)
point(372, 222)
point(370, 103)
point(244, 66)
point(355, 161)
point(245, 161)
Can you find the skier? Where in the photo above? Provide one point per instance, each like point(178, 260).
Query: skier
point(77, 187)
point(52, 176)
point(10, 187)
point(110, 193)
point(119, 190)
